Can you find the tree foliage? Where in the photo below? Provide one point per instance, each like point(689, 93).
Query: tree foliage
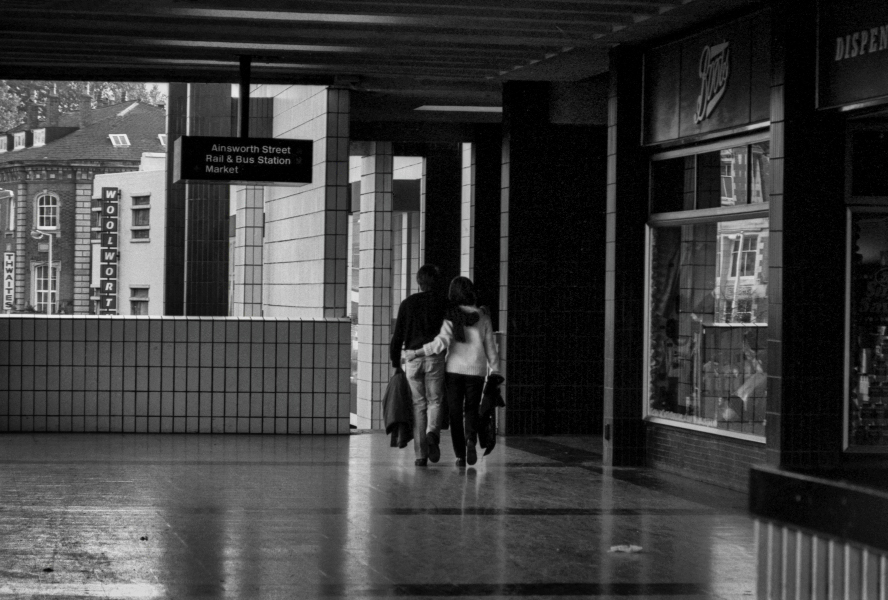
point(15, 95)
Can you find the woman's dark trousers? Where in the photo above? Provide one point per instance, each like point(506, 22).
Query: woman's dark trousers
point(463, 394)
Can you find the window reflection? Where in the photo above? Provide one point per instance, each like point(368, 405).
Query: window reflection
point(709, 313)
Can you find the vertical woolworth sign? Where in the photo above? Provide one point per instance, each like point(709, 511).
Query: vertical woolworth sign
point(8, 280)
point(110, 226)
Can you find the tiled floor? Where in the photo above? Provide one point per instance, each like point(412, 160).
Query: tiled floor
point(202, 516)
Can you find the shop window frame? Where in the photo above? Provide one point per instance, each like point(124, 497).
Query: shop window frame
point(695, 216)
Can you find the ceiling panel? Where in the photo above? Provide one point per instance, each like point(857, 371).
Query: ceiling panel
point(409, 51)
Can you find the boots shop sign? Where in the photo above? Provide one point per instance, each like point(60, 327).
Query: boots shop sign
point(712, 81)
point(852, 53)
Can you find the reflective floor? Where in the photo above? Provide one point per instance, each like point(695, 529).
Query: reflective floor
point(200, 516)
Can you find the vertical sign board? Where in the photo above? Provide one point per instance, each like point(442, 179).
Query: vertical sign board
point(8, 279)
point(109, 245)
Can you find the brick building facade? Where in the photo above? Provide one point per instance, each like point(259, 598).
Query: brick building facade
point(48, 165)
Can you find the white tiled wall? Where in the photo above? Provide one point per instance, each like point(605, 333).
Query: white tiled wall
point(467, 213)
point(174, 374)
point(247, 289)
point(375, 284)
point(306, 228)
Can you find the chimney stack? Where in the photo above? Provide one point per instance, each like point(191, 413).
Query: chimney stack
point(33, 114)
point(85, 110)
point(52, 110)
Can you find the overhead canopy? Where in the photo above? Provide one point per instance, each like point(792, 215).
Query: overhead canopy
point(410, 53)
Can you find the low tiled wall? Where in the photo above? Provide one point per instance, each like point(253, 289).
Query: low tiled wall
point(174, 374)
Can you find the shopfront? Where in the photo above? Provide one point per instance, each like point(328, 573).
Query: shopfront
point(766, 269)
point(705, 131)
point(852, 53)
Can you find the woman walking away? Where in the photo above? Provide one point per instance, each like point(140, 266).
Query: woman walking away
point(467, 335)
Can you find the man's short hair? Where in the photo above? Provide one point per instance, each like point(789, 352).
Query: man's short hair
point(427, 277)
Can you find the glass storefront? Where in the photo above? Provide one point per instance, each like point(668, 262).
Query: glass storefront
point(868, 322)
point(708, 302)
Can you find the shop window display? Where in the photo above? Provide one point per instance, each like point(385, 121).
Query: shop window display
point(867, 424)
point(708, 317)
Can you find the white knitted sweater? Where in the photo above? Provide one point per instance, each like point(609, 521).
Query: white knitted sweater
point(473, 356)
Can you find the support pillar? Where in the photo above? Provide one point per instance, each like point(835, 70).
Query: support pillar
point(624, 387)
point(553, 196)
point(440, 203)
point(375, 284)
point(807, 254)
point(247, 288)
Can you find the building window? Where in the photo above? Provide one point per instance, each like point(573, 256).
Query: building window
point(45, 291)
point(163, 139)
point(138, 300)
point(9, 214)
point(119, 139)
point(3, 143)
point(708, 286)
point(141, 218)
point(18, 140)
point(39, 137)
point(47, 211)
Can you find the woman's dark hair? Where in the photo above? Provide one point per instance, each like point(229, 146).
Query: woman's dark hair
point(462, 293)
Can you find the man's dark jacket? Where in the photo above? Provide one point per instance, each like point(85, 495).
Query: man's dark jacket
point(419, 320)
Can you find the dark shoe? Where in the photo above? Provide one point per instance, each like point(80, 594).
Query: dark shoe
point(421, 462)
point(434, 447)
point(471, 454)
point(460, 462)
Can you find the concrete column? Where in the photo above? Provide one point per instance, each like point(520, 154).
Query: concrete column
point(483, 238)
point(552, 250)
point(440, 203)
point(247, 289)
point(375, 310)
point(306, 228)
point(467, 214)
point(624, 343)
point(805, 387)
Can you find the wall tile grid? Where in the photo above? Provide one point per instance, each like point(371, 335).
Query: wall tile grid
point(174, 374)
point(796, 564)
point(467, 214)
point(804, 407)
point(375, 284)
point(551, 216)
point(624, 390)
point(247, 288)
point(306, 228)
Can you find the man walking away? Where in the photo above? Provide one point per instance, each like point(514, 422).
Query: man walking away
point(419, 320)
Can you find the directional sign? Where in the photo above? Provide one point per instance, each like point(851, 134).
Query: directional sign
point(252, 161)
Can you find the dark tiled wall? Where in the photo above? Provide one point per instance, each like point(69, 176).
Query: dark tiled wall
point(488, 165)
point(174, 236)
point(807, 255)
point(553, 277)
point(186, 374)
point(443, 182)
point(627, 210)
point(200, 287)
point(715, 459)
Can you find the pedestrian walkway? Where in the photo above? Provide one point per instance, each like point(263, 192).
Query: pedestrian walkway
point(203, 516)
